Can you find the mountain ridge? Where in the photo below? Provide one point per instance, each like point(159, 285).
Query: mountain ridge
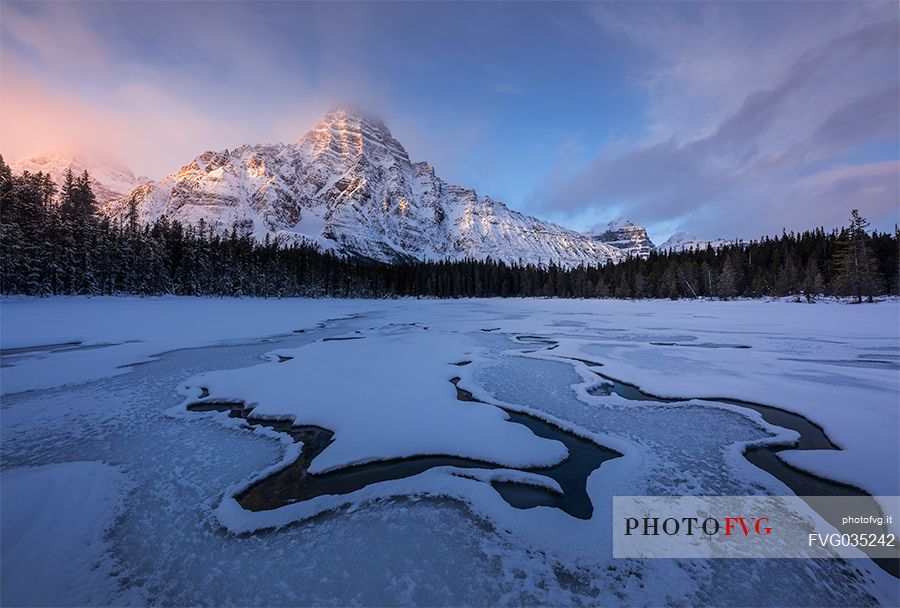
point(349, 186)
point(682, 241)
point(626, 236)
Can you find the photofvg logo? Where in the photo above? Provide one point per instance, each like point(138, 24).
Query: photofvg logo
point(755, 526)
point(672, 526)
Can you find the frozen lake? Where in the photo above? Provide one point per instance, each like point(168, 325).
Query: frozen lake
point(115, 492)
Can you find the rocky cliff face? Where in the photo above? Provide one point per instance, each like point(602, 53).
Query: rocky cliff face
point(630, 239)
point(349, 186)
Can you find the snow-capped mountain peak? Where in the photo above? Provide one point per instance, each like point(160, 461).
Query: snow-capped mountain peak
point(624, 235)
point(682, 241)
point(108, 181)
point(352, 134)
point(348, 185)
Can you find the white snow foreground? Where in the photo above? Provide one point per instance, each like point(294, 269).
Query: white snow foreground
point(812, 360)
point(90, 338)
point(388, 395)
point(807, 359)
point(54, 520)
point(384, 397)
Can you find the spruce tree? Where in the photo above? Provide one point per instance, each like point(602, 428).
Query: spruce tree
point(856, 265)
point(727, 285)
point(67, 196)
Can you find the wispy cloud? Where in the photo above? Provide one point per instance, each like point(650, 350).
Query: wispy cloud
point(778, 158)
point(74, 79)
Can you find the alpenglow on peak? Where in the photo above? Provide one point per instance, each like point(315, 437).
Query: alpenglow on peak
point(351, 132)
point(348, 186)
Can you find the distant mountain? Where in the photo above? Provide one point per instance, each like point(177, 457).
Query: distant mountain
point(108, 182)
point(349, 186)
point(626, 236)
point(682, 241)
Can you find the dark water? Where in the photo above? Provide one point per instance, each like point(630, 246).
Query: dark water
point(6, 352)
point(866, 363)
point(571, 474)
point(802, 483)
point(702, 345)
point(294, 483)
point(55, 348)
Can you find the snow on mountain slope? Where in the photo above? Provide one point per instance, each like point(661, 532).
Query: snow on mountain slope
point(349, 186)
point(624, 235)
point(108, 182)
point(682, 241)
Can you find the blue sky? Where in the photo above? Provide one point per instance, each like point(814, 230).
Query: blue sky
point(721, 119)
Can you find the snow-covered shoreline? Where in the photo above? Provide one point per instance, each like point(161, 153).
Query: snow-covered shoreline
point(799, 357)
point(836, 365)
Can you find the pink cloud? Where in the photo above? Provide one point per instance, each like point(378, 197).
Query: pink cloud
point(873, 188)
point(140, 124)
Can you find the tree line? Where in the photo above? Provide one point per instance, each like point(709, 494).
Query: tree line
point(54, 241)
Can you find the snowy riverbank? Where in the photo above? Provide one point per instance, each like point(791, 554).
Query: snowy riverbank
point(165, 478)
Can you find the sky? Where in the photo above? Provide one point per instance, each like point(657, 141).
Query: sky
point(728, 120)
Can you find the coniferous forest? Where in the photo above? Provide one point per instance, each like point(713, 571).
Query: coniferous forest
point(54, 241)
